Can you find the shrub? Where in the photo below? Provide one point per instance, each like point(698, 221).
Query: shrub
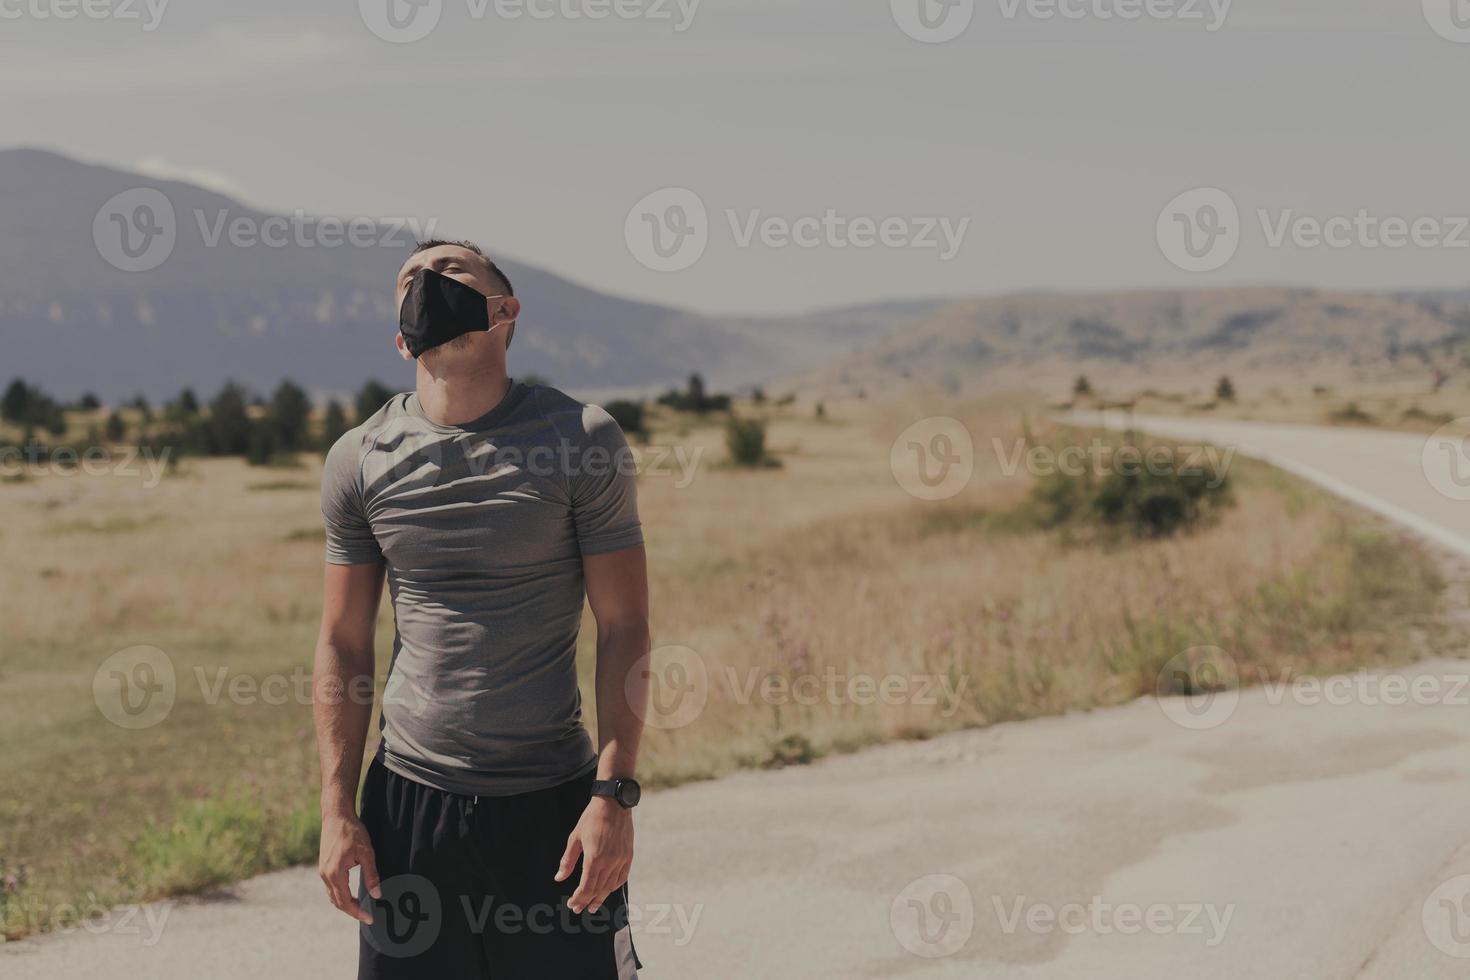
point(1147, 501)
point(746, 439)
point(629, 415)
point(1351, 414)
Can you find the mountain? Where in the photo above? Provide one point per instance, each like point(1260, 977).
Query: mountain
point(1169, 339)
point(224, 307)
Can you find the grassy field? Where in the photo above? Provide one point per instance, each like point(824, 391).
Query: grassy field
point(822, 568)
point(1403, 404)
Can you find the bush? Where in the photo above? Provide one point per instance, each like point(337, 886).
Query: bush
point(1351, 414)
point(746, 439)
point(629, 416)
point(1152, 501)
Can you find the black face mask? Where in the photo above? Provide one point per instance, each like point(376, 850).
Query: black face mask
point(438, 309)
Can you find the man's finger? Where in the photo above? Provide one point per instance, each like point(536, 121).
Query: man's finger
point(569, 858)
point(369, 864)
point(336, 891)
point(586, 890)
point(340, 888)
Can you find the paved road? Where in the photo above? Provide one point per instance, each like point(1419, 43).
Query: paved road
point(1289, 832)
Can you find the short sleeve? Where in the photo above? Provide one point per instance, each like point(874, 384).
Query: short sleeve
point(604, 487)
point(350, 539)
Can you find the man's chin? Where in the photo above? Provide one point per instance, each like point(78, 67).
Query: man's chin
point(449, 351)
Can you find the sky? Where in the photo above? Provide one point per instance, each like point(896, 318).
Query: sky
point(781, 155)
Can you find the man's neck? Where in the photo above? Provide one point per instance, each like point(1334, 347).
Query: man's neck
point(460, 397)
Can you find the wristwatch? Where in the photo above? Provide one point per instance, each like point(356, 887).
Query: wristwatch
point(626, 791)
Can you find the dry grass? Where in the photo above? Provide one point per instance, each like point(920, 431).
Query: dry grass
point(1412, 404)
point(822, 567)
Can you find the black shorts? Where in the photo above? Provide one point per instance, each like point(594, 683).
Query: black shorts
point(469, 888)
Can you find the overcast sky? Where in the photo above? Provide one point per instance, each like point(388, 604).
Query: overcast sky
point(1060, 140)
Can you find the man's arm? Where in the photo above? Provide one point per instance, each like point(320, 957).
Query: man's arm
point(617, 591)
point(342, 704)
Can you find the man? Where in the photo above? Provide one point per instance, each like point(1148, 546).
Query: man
point(493, 841)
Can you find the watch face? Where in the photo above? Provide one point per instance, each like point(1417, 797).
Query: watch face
point(629, 793)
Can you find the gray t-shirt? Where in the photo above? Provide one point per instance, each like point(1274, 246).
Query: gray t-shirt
point(483, 527)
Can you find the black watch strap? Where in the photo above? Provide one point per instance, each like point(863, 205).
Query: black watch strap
point(626, 792)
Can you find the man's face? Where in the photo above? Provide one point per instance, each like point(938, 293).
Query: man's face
point(447, 260)
point(459, 263)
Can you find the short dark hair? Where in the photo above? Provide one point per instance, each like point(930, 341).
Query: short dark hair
point(495, 270)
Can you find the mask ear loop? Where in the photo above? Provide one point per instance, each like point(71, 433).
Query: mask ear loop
point(493, 325)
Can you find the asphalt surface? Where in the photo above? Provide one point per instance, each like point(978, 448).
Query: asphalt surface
point(1303, 831)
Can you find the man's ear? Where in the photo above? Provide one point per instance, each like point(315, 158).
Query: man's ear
point(509, 309)
point(402, 346)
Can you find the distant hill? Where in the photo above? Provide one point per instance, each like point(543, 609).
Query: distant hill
point(1169, 338)
point(71, 322)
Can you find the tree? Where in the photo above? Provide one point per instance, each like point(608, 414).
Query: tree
point(229, 422)
point(187, 404)
point(16, 402)
point(371, 397)
point(289, 414)
point(1225, 390)
point(140, 403)
point(696, 394)
point(89, 402)
point(1082, 388)
point(116, 429)
point(265, 444)
point(334, 425)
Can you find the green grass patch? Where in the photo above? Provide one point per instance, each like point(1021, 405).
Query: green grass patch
point(214, 842)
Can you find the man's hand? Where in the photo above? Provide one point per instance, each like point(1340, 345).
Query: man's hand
point(346, 845)
point(603, 838)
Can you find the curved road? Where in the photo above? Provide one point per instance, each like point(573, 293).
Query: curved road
point(1285, 833)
